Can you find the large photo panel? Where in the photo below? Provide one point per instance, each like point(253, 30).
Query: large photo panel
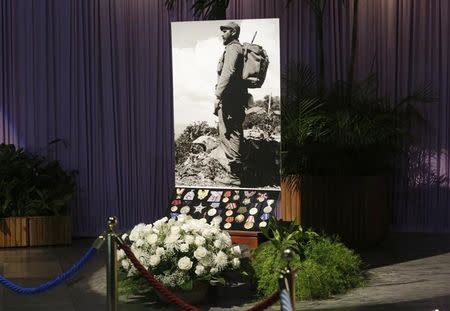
point(227, 109)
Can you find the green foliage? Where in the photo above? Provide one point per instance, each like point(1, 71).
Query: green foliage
point(328, 268)
point(348, 130)
point(32, 186)
point(288, 234)
point(193, 131)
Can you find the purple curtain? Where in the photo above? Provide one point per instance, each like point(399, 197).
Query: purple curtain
point(97, 74)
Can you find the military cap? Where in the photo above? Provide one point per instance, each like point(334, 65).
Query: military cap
point(231, 25)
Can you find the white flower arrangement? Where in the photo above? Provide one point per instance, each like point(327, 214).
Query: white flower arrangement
point(179, 252)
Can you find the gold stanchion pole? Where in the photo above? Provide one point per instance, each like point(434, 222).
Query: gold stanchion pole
point(111, 265)
point(289, 275)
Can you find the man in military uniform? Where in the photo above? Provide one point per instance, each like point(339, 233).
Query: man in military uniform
point(231, 99)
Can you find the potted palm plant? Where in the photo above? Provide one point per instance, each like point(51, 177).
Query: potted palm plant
point(34, 199)
point(339, 146)
point(340, 143)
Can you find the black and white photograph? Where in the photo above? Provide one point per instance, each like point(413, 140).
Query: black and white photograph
point(227, 109)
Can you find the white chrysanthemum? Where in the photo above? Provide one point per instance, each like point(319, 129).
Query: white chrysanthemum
point(216, 221)
point(199, 240)
point(124, 236)
point(214, 271)
point(151, 238)
point(171, 239)
point(189, 239)
point(182, 218)
point(175, 230)
point(139, 242)
point(120, 254)
point(136, 232)
point(125, 264)
point(160, 222)
point(160, 251)
point(218, 244)
point(200, 252)
point(221, 260)
point(184, 248)
point(207, 261)
point(236, 263)
point(185, 263)
point(154, 260)
point(225, 238)
point(148, 229)
point(236, 250)
point(134, 235)
point(199, 270)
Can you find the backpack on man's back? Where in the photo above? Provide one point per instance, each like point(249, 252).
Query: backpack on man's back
point(256, 63)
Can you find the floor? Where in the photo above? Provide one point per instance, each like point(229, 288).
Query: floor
point(407, 272)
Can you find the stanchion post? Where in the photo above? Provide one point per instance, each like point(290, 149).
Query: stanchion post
point(111, 265)
point(289, 275)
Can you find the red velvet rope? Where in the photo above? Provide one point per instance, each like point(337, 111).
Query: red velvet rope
point(171, 297)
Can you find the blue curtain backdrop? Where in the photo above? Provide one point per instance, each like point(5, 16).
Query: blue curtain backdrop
point(97, 74)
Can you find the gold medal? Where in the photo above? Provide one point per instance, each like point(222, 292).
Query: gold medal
point(267, 209)
point(263, 224)
point(229, 213)
point(239, 218)
point(227, 225)
point(174, 208)
point(185, 210)
point(248, 225)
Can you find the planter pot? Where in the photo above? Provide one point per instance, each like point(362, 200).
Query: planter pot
point(354, 207)
point(290, 199)
point(14, 232)
point(35, 231)
point(53, 230)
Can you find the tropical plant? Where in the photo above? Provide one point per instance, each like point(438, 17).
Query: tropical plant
point(324, 265)
point(30, 185)
point(334, 134)
point(287, 235)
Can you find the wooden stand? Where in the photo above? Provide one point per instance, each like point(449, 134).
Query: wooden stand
point(252, 239)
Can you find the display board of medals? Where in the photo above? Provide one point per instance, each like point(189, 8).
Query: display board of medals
point(247, 210)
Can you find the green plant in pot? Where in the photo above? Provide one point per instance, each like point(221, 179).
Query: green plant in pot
point(339, 147)
point(30, 185)
point(340, 142)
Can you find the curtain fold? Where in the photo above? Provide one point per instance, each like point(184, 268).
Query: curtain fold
point(97, 75)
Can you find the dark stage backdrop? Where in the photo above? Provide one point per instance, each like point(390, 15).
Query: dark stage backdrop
point(97, 74)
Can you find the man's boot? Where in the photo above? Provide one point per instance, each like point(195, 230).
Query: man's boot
point(234, 177)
